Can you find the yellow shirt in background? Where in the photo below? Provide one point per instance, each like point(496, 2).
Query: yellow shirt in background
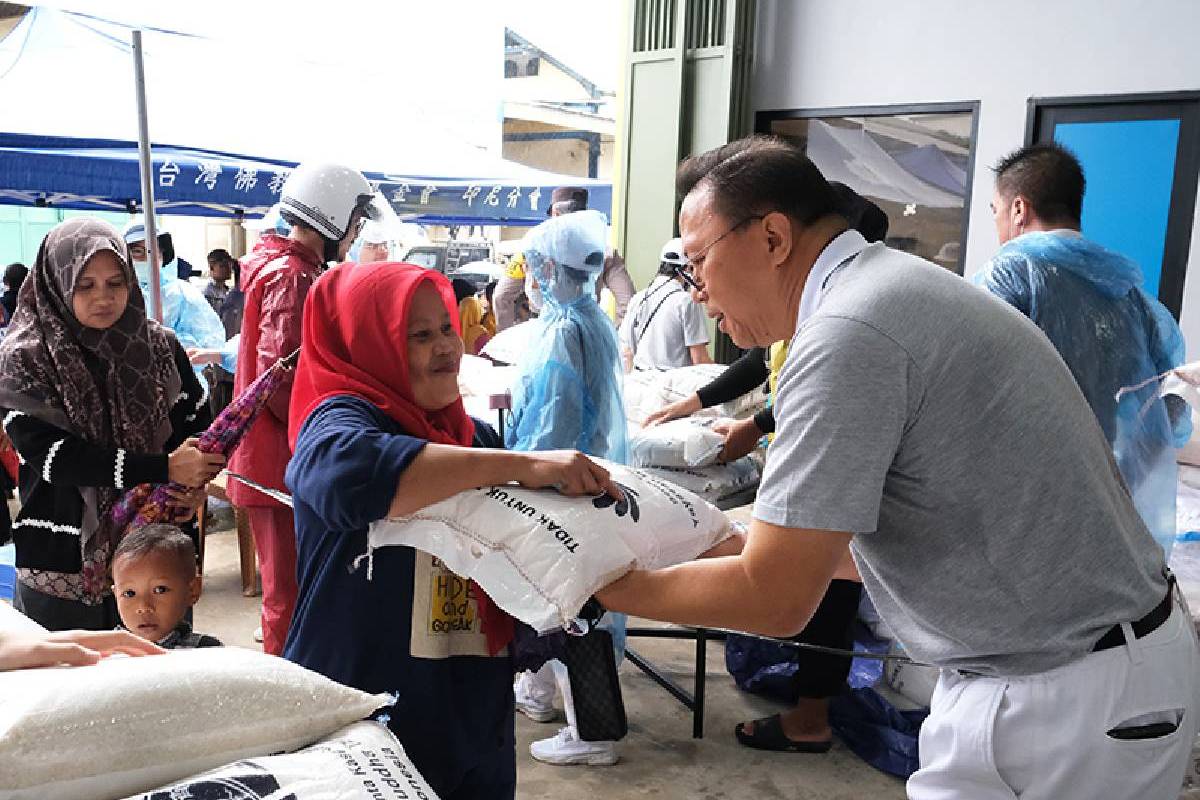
point(516, 267)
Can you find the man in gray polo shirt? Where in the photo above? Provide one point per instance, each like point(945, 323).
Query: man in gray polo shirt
point(988, 520)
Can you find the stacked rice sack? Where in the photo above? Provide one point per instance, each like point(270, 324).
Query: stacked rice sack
point(685, 452)
point(646, 391)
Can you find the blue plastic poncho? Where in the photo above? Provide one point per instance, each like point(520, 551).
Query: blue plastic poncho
point(186, 311)
point(568, 395)
point(1089, 302)
point(229, 353)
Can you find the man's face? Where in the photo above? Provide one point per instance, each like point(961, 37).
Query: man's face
point(357, 219)
point(732, 265)
point(153, 592)
point(1008, 222)
point(137, 251)
point(370, 252)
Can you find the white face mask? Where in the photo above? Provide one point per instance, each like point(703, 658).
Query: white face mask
point(142, 270)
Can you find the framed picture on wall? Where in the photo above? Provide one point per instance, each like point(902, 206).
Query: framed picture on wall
point(1141, 157)
point(913, 161)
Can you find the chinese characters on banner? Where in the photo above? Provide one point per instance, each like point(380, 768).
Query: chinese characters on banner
point(474, 196)
point(209, 174)
point(240, 184)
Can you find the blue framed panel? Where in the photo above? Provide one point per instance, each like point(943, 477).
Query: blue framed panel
point(1141, 158)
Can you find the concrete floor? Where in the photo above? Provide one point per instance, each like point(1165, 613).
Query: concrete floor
point(658, 757)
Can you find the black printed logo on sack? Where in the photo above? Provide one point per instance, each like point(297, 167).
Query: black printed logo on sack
point(241, 781)
point(626, 505)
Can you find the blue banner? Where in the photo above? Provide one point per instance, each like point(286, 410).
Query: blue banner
point(100, 174)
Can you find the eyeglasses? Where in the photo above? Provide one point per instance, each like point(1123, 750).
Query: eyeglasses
point(686, 267)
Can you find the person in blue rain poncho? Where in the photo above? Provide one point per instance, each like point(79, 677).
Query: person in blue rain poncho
point(184, 308)
point(1090, 303)
point(568, 396)
point(569, 391)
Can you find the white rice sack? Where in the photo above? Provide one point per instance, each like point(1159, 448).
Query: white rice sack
point(361, 762)
point(687, 442)
point(715, 482)
point(540, 555)
point(126, 725)
point(13, 621)
point(647, 391)
point(508, 345)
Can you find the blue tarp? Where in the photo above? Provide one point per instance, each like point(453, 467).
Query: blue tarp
point(102, 174)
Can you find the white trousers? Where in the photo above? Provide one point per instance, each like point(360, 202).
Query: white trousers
point(1050, 736)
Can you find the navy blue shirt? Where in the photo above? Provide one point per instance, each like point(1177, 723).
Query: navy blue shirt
point(454, 714)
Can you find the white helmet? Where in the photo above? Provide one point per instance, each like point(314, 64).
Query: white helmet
point(325, 196)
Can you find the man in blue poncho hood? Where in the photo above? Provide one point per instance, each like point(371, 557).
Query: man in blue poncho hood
point(1089, 302)
point(184, 307)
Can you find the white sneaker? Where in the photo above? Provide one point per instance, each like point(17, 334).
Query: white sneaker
point(567, 749)
point(258, 634)
point(533, 704)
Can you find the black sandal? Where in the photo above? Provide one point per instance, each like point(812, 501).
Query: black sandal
point(768, 735)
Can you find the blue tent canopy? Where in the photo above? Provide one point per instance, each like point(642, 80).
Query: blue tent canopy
point(426, 171)
point(102, 174)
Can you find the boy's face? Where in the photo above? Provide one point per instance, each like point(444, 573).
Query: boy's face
point(219, 271)
point(153, 592)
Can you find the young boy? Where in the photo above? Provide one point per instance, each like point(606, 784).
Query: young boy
point(155, 583)
point(219, 273)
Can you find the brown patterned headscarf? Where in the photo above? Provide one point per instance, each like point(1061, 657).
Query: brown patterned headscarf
point(112, 387)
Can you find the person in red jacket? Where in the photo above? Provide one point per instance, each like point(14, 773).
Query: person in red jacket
point(326, 205)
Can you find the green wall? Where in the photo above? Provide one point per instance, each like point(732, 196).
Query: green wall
point(22, 229)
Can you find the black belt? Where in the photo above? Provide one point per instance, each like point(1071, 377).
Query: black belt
point(1115, 637)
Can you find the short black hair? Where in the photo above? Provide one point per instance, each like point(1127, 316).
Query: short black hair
point(1049, 176)
point(15, 274)
point(159, 538)
point(863, 215)
point(757, 175)
point(219, 255)
point(463, 289)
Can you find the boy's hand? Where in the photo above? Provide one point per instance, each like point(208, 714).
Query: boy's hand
point(26, 650)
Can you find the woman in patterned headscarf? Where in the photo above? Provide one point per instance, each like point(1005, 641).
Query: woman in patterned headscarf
point(94, 395)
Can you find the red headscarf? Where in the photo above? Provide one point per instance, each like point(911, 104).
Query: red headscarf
point(355, 343)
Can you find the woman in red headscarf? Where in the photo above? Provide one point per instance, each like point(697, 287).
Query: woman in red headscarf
point(378, 429)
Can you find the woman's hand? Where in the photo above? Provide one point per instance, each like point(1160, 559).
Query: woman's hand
point(741, 437)
point(568, 471)
point(25, 650)
point(680, 408)
point(192, 467)
point(190, 501)
point(199, 357)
